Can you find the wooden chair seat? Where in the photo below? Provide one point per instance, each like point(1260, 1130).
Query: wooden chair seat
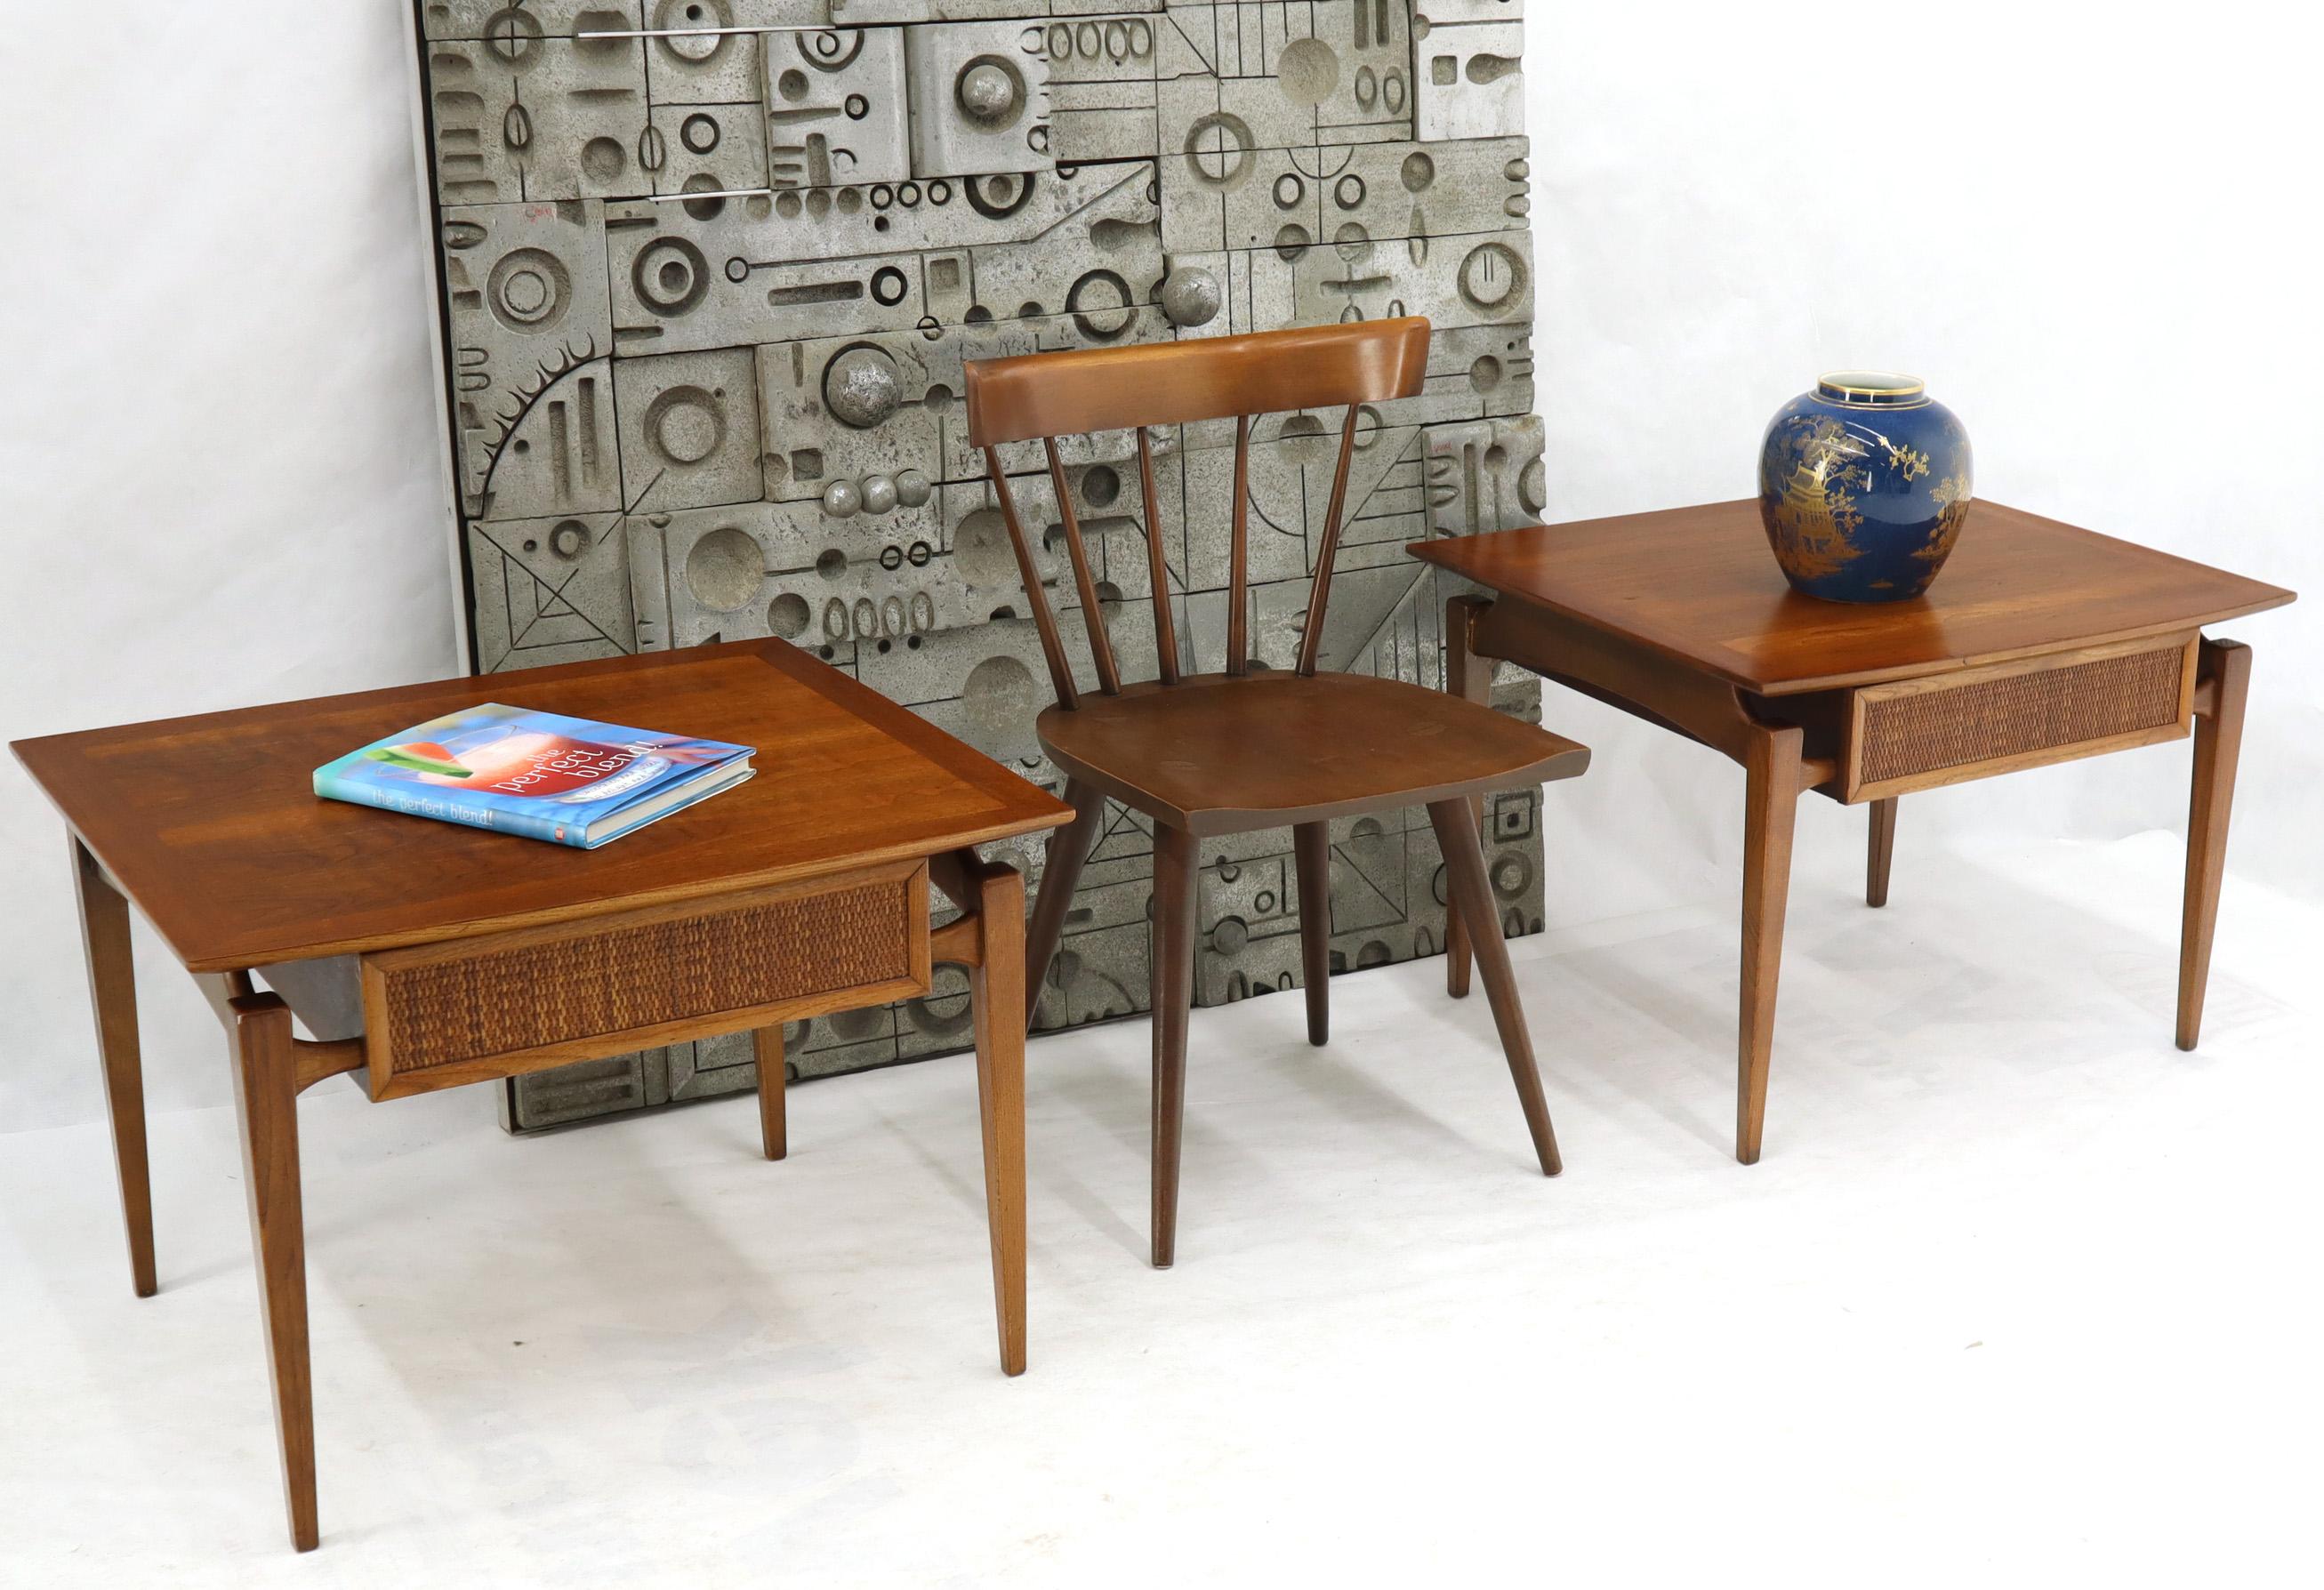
point(1219, 753)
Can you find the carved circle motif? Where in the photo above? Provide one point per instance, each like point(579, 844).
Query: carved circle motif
point(685, 425)
point(1101, 304)
point(1307, 70)
point(1492, 275)
point(725, 568)
point(787, 615)
point(696, 48)
point(528, 289)
point(670, 276)
point(1219, 149)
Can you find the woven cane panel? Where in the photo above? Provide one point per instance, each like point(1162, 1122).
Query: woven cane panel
point(510, 1000)
point(1908, 735)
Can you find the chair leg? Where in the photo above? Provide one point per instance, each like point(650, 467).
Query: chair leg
point(1881, 847)
point(266, 1098)
point(1469, 677)
point(774, 1130)
point(1069, 849)
point(1312, 844)
point(1472, 899)
point(1174, 854)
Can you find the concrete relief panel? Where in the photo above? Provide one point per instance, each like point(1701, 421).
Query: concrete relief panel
point(713, 270)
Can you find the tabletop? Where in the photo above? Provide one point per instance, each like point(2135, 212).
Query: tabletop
point(1699, 585)
point(210, 824)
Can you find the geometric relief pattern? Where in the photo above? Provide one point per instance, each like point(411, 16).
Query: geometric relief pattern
point(711, 270)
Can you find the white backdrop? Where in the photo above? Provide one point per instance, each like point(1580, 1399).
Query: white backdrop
point(2094, 238)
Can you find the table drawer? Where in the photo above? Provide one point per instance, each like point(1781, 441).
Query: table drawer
point(436, 1015)
point(1919, 733)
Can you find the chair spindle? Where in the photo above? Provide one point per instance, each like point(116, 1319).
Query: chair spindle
point(1158, 570)
point(1053, 647)
point(1311, 632)
point(1239, 555)
point(1109, 678)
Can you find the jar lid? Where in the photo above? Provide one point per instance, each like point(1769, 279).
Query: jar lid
point(1870, 386)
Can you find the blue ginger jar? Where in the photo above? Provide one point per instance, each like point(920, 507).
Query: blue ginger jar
point(1864, 483)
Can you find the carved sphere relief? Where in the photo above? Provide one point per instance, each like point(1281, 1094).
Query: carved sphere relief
point(991, 91)
point(862, 386)
point(1190, 296)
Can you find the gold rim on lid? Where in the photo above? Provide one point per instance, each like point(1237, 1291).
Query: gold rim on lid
point(1876, 384)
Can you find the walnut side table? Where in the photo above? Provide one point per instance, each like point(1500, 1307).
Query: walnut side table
point(479, 955)
point(2039, 643)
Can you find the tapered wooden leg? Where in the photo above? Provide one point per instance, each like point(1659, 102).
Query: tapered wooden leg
point(1472, 899)
point(266, 1098)
point(1311, 843)
point(113, 997)
point(1174, 854)
point(996, 991)
point(1069, 849)
point(1771, 800)
point(774, 1130)
point(2226, 668)
point(1469, 677)
point(1878, 849)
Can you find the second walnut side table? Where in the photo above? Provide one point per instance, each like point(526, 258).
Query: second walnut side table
point(2039, 644)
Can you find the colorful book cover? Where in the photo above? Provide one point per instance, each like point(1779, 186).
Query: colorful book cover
point(571, 781)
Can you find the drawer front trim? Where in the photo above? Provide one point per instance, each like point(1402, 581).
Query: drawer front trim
point(1921, 733)
point(440, 1015)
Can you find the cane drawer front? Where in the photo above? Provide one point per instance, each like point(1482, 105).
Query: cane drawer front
point(438, 1015)
point(1919, 733)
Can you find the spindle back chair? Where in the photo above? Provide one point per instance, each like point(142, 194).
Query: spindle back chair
point(1248, 748)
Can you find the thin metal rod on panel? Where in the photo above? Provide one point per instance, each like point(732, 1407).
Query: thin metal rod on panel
point(694, 32)
point(721, 193)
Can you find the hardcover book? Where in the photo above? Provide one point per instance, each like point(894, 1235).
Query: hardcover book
point(571, 781)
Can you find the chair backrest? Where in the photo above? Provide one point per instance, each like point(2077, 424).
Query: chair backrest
point(1049, 395)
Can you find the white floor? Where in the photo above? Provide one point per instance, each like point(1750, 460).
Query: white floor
point(2020, 1295)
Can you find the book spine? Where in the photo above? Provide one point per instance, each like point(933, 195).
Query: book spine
point(415, 805)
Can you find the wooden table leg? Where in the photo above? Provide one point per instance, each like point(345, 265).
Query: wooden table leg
point(774, 1131)
point(2225, 669)
point(1880, 847)
point(113, 997)
point(996, 989)
point(1771, 799)
point(266, 1098)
